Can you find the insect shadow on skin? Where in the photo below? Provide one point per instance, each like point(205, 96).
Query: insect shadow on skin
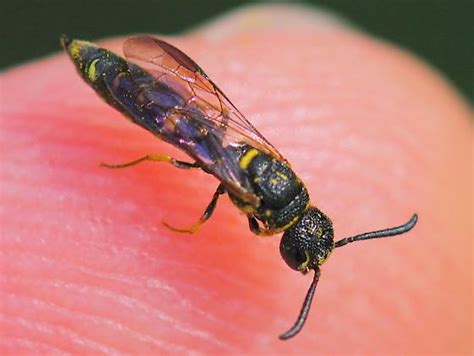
point(161, 89)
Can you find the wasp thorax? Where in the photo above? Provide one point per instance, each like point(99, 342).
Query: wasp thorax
point(308, 243)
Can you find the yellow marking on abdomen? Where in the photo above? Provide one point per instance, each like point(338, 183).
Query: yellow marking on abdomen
point(282, 176)
point(91, 71)
point(75, 47)
point(248, 157)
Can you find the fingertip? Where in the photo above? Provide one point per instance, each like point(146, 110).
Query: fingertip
point(343, 128)
point(270, 17)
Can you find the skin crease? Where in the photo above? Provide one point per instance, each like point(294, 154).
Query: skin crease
point(375, 135)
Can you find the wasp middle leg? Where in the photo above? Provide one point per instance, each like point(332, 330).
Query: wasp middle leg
point(205, 216)
point(155, 158)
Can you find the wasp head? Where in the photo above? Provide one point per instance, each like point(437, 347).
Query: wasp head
point(308, 243)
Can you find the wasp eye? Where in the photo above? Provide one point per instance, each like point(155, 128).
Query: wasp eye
point(293, 256)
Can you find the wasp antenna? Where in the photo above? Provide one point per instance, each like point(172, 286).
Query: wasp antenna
point(393, 231)
point(295, 329)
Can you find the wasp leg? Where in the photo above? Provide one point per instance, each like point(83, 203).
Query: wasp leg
point(205, 216)
point(256, 229)
point(153, 157)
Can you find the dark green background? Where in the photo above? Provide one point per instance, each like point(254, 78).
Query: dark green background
point(440, 31)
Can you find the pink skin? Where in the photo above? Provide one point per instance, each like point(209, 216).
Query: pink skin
point(375, 135)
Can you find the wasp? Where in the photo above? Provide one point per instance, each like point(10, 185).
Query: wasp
point(161, 89)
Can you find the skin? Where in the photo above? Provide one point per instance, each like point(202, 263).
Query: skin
point(375, 134)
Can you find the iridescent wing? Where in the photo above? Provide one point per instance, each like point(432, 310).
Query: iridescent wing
point(174, 67)
point(204, 103)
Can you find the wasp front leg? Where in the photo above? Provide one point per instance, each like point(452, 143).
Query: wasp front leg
point(155, 158)
point(257, 230)
point(205, 216)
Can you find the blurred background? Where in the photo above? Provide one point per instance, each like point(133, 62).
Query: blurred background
point(439, 31)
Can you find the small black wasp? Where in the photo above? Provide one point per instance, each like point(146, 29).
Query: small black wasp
point(161, 89)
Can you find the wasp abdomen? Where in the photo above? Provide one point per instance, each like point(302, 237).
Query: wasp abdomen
point(149, 103)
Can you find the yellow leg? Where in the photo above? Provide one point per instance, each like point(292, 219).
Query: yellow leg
point(204, 217)
point(191, 230)
point(155, 158)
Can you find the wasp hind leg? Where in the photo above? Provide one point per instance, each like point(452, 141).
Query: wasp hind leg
point(155, 158)
point(204, 217)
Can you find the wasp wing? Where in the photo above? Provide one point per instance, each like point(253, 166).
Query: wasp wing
point(204, 107)
point(168, 63)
